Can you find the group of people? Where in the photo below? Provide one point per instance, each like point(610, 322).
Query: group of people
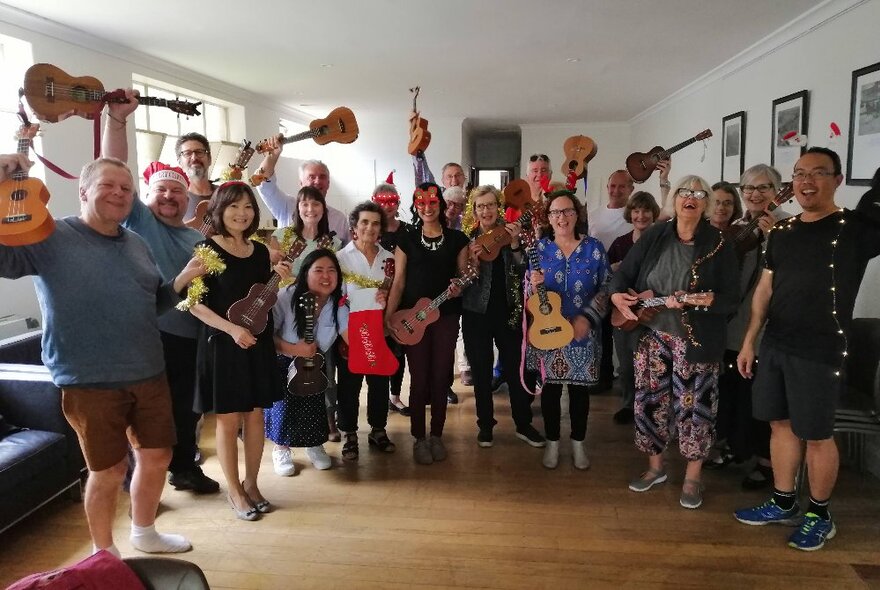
point(686, 363)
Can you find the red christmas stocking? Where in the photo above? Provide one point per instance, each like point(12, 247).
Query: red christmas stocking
point(368, 353)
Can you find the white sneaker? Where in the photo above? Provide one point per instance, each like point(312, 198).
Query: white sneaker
point(282, 461)
point(551, 454)
point(319, 457)
point(579, 454)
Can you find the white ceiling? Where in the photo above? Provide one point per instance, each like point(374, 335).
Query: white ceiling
point(493, 61)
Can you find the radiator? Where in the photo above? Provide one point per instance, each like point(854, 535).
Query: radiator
point(14, 325)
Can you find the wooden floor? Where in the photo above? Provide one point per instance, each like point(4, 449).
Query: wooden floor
point(484, 518)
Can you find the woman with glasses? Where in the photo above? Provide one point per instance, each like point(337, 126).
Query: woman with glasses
point(678, 349)
point(426, 260)
point(575, 266)
point(724, 206)
point(493, 314)
point(744, 436)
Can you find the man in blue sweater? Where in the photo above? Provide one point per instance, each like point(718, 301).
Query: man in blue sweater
point(99, 292)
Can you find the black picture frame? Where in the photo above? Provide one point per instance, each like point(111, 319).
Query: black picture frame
point(733, 147)
point(790, 113)
point(863, 144)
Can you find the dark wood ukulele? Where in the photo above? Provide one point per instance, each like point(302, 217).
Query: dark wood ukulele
point(641, 165)
point(306, 373)
point(647, 301)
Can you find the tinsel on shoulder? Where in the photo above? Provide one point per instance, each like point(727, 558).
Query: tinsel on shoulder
point(197, 288)
point(362, 281)
point(469, 223)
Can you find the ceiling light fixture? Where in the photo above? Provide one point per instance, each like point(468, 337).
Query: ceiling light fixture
point(573, 60)
point(326, 65)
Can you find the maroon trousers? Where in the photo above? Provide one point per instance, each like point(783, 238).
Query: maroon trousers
point(429, 374)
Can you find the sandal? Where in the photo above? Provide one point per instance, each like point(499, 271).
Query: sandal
point(380, 440)
point(350, 450)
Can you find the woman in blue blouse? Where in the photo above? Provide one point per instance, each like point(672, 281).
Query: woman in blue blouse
point(573, 265)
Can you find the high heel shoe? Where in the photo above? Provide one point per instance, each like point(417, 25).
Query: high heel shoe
point(250, 514)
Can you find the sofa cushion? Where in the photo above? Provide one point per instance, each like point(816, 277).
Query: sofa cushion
point(28, 453)
point(6, 428)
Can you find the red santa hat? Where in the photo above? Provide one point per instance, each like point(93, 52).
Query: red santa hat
point(157, 171)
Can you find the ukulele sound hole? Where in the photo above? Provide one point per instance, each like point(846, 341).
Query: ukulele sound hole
point(545, 308)
point(18, 195)
point(79, 94)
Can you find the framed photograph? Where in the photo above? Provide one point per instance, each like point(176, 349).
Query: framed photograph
point(863, 155)
point(733, 147)
point(791, 114)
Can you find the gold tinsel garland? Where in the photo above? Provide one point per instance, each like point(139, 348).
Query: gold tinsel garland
point(197, 288)
point(361, 281)
point(469, 223)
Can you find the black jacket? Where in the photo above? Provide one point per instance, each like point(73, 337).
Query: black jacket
point(717, 271)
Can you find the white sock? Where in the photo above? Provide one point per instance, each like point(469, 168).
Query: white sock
point(111, 549)
point(146, 539)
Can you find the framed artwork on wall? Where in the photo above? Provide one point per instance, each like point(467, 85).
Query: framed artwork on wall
point(733, 147)
point(863, 153)
point(791, 115)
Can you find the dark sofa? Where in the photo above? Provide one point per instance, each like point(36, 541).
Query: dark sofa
point(39, 453)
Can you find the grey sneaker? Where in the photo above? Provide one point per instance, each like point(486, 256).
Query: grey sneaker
point(647, 480)
point(422, 452)
point(438, 451)
point(691, 500)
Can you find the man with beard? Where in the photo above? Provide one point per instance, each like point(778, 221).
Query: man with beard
point(194, 156)
point(159, 222)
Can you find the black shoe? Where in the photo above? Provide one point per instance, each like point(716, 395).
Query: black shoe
point(530, 436)
point(724, 459)
point(484, 438)
point(497, 382)
point(623, 416)
point(401, 409)
point(194, 480)
point(761, 477)
point(451, 397)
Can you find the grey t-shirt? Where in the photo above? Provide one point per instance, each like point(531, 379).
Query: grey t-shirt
point(668, 276)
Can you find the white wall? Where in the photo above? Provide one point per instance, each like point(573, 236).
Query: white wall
point(821, 60)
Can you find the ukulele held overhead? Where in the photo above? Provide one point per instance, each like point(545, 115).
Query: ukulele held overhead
point(24, 219)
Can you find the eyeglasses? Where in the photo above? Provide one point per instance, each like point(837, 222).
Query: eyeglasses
point(189, 153)
point(748, 189)
point(541, 157)
point(801, 176)
point(557, 213)
point(485, 206)
point(698, 195)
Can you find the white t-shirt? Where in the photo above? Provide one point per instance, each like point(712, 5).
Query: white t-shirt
point(606, 225)
point(352, 260)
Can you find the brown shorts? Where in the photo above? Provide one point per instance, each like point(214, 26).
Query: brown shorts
point(106, 420)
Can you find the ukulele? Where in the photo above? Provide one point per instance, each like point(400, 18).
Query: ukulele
point(641, 165)
point(648, 301)
point(252, 311)
point(25, 219)
point(408, 326)
point(495, 239)
point(339, 126)
point(54, 95)
point(549, 330)
point(419, 136)
point(201, 221)
point(579, 150)
point(306, 373)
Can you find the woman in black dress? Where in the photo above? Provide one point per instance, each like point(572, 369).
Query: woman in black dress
point(237, 377)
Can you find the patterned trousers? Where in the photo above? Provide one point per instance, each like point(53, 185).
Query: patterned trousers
point(668, 388)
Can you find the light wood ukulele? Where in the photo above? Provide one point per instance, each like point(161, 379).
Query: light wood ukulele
point(24, 218)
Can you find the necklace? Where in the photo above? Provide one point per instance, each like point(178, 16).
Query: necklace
point(432, 244)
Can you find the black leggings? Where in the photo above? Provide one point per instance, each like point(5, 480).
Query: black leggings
point(578, 410)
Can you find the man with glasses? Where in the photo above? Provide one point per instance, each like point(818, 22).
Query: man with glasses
point(814, 264)
point(537, 168)
point(194, 156)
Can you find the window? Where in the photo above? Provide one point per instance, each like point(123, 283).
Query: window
point(158, 128)
point(16, 56)
point(299, 150)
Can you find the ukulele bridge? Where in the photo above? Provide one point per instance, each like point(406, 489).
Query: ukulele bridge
point(21, 217)
point(551, 330)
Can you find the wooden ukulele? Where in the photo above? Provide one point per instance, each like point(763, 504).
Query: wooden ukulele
point(306, 373)
point(54, 95)
point(419, 136)
point(647, 301)
point(549, 329)
point(494, 240)
point(252, 311)
point(408, 325)
point(201, 221)
point(641, 165)
point(579, 150)
point(339, 126)
point(25, 219)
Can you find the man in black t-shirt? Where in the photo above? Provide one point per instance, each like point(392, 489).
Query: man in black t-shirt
point(814, 266)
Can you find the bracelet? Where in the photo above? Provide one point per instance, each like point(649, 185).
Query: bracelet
point(120, 121)
point(666, 184)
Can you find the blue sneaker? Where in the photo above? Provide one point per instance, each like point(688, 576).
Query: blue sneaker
point(813, 533)
point(768, 513)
